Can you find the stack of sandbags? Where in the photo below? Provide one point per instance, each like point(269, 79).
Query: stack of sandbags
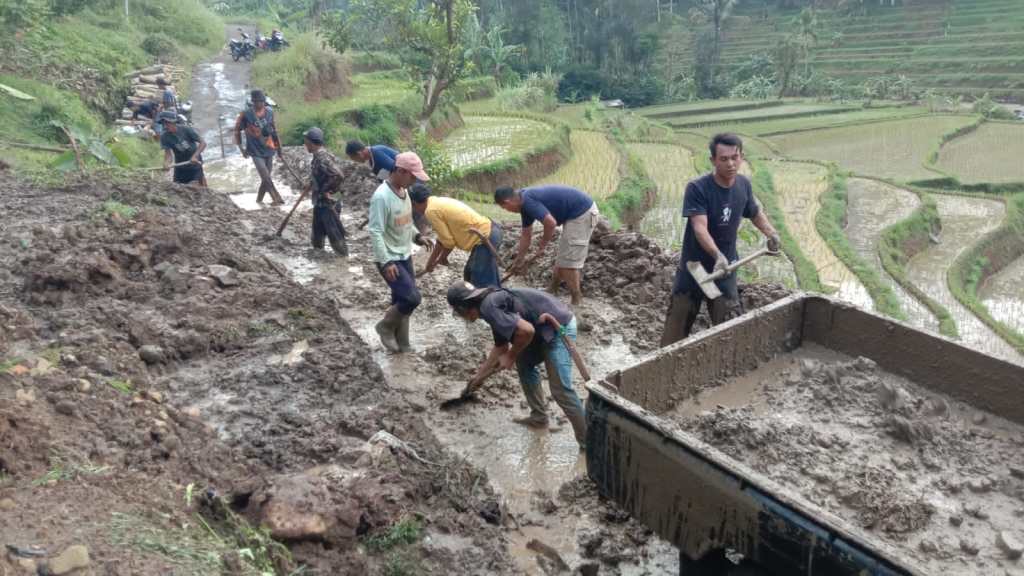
point(144, 84)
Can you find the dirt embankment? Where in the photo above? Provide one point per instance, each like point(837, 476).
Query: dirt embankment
point(151, 360)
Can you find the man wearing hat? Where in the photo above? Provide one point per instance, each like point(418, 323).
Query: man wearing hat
point(391, 235)
point(261, 143)
point(456, 226)
point(524, 336)
point(183, 147)
point(326, 178)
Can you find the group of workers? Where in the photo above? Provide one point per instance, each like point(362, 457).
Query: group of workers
point(529, 326)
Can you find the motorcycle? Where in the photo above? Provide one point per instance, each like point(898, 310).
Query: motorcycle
point(276, 42)
point(185, 112)
point(243, 48)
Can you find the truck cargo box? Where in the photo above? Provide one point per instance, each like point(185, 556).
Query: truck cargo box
point(812, 437)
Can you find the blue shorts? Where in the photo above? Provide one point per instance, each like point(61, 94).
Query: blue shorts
point(404, 294)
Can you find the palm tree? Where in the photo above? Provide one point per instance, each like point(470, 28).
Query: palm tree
point(499, 53)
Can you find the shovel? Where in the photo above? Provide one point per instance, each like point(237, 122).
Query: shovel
point(707, 281)
point(467, 394)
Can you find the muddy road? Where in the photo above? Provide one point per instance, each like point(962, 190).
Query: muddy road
point(963, 221)
point(872, 207)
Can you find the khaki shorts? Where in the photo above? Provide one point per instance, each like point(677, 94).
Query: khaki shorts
point(574, 243)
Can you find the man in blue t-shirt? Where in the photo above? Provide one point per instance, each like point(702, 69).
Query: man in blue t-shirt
point(380, 158)
point(525, 337)
point(714, 205)
point(554, 206)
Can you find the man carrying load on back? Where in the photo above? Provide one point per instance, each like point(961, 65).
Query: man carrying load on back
point(714, 205)
point(554, 206)
point(261, 143)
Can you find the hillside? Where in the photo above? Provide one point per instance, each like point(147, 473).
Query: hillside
point(955, 47)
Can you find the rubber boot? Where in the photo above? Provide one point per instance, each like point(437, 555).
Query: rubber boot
point(340, 247)
point(387, 327)
point(402, 334)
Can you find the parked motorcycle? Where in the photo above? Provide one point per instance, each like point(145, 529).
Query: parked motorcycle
point(276, 42)
point(242, 48)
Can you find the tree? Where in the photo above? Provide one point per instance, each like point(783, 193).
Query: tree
point(806, 35)
point(428, 36)
point(713, 13)
point(786, 56)
point(498, 53)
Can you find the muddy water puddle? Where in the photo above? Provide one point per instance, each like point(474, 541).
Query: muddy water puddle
point(1003, 295)
point(872, 206)
point(964, 220)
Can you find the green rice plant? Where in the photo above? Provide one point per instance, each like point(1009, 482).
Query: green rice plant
point(991, 153)
point(593, 168)
point(898, 245)
point(764, 191)
point(484, 139)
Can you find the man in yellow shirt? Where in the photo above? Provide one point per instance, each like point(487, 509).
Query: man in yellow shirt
point(453, 223)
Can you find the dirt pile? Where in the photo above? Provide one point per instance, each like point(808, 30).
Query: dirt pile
point(154, 367)
point(927, 474)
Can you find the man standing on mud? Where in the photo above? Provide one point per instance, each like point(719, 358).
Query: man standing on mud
point(326, 178)
point(554, 206)
point(714, 205)
point(261, 143)
point(391, 234)
point(455, 225)
point(525, 336)
point(184, 147)
point(380, 158)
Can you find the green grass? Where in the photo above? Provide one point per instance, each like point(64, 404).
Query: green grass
point(121, 385)
point(983, 259)
point(113, 207)
point(853, 117)
point(632, 196)
point(306, 71)
point(893, 249)
point(994, 153)
point(894, 149)
point(409, 530)
point(63, 469)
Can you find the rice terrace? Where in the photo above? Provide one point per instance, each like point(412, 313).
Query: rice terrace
point(402, 287)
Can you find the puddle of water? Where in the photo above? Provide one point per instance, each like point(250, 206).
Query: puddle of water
point(964, 220)
point(871, 207)
point(1003, 295)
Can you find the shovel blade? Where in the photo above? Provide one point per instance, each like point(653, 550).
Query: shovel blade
point(451, 403)
point(707, 285)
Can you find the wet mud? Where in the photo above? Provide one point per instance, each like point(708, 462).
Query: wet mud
point(934, 477)
point(872, 206)
point(964, 220)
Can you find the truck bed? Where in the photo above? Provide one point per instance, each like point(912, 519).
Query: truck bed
point(817, 438)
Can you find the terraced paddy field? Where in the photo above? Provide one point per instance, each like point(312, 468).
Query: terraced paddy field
point(1003, 295)
point(785, 111)
point(964, 220)
point(671, 167)
point(872, 206)
point(821, 121)
point(798, 189)
point(992, 153)
point(593, 168)
point(894, 149)
point(703, 107)
point(486, 139)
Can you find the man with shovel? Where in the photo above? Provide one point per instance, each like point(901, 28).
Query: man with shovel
point(184, 146)
point(714, 205)
point(529, 327)
point(326, 178)
point(459, 226)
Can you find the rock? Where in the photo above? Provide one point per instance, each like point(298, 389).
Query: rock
point(969, 548)
point(303, 507)
point(24, 396)
point(155, 396)
point(956, 520)
point(65, 407)
point(938, 406)
point(928, 547)
point(590, 569)
point(151, 354)
point(72, 558)
point(192, 412)
point(979, 418)
point(1017, 472)
point(7, 504)
point(1010, 544)
point(42, 368)
point(84, 385)
point(979, 485)
point(865, 364)
point(225, 276)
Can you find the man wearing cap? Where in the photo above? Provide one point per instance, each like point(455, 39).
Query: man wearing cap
point(454, 224)
point(326, 178)
point(391, 235)
point(261, 143)
point(184, 147)
point(380, 158)
point(554, 206)
point(524, 336)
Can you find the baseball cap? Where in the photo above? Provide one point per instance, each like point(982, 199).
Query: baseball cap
point(411, 162)
point(461, 291)
point(419, 192)
point(169, 117)
point(314, 135)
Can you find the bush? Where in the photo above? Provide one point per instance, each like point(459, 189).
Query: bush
point(305, 71)
point(474, 88)
point(160, 46)
point(579, 84)
point(756, 88)
point(989, 109)
point(374, 61)
point(536, 93)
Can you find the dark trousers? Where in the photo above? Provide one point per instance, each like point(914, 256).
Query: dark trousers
point(189, 173)
point(327, 224)
point(684, 307)
point(482, 267)
point(404, 293)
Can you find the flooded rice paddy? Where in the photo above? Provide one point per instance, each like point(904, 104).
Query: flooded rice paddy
point(484, 139)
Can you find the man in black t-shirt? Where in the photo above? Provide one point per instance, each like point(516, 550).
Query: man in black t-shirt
point(524, 337)
point(714, 206)
point(182, 144)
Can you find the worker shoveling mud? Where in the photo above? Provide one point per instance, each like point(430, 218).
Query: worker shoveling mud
point(934, 477)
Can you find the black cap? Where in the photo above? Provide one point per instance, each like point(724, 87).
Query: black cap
point(460, 292)
point(419, 192)
point(168, 117)
point(314, 135)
